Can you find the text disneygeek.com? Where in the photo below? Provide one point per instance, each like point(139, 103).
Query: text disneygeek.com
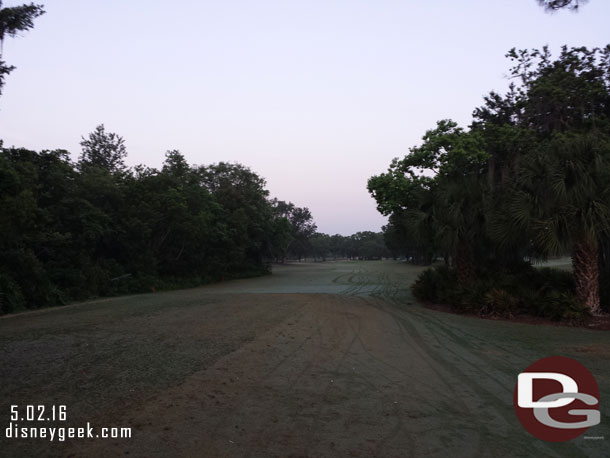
point(26, 423)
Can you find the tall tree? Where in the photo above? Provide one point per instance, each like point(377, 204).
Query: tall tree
point(443, 212)
point(102, 149)
point(302, 226)
point(562, 199)
point(12, 21)
point(559, 194)
point(248, 214)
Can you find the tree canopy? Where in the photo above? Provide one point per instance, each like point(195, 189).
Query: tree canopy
point(103, 149)
point(530, 178)
point(76, 230)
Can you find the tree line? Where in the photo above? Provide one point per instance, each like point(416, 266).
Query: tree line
point(365, 246)
point(73, 230)
point(305, 242)
point(94, 227)
point(528, 179)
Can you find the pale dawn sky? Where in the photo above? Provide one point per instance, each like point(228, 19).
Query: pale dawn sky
point(315, 96)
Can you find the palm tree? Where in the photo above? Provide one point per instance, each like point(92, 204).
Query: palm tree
point(459, 221)
point(560, 191)
point(562, 199)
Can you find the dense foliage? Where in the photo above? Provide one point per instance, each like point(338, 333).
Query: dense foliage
point(71, 231)
point(542, 292)
point(529, 179)
point(75, 230)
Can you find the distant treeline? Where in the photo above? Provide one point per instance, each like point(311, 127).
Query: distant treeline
point(365, 245)
point(71, 231)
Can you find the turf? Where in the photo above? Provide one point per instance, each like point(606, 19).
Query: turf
point(319, 359)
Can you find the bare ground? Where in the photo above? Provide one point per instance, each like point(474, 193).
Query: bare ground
point(317, 360)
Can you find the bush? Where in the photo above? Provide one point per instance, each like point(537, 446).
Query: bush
point(558, 305)
point(544, 292)
point(11, 298)
point(433, 284)
point(425, 287)
point(499, 302)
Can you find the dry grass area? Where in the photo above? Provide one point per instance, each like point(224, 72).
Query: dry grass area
point(317, 360)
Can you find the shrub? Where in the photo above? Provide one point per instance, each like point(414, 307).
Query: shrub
point(545, 292)
point(433, 283)
point(11, 298)
point(499, 302)
point(425, 287)
point(558, 305)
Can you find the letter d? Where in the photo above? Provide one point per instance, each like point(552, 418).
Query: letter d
point(525, 392)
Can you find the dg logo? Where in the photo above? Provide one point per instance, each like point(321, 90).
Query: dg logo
point(557, 399)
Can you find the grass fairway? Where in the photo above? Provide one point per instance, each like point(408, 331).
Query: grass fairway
point(317, 360)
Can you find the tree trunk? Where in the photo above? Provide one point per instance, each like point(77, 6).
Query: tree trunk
point(463, 265)
point(604, 272)
point(586, 273)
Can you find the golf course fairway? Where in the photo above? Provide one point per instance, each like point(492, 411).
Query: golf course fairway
point(316, 360)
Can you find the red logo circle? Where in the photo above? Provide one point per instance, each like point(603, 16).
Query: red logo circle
point(561, 417)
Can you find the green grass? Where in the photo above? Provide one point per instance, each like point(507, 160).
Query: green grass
point(104, 356)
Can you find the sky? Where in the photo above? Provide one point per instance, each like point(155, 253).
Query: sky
point(315, 96)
